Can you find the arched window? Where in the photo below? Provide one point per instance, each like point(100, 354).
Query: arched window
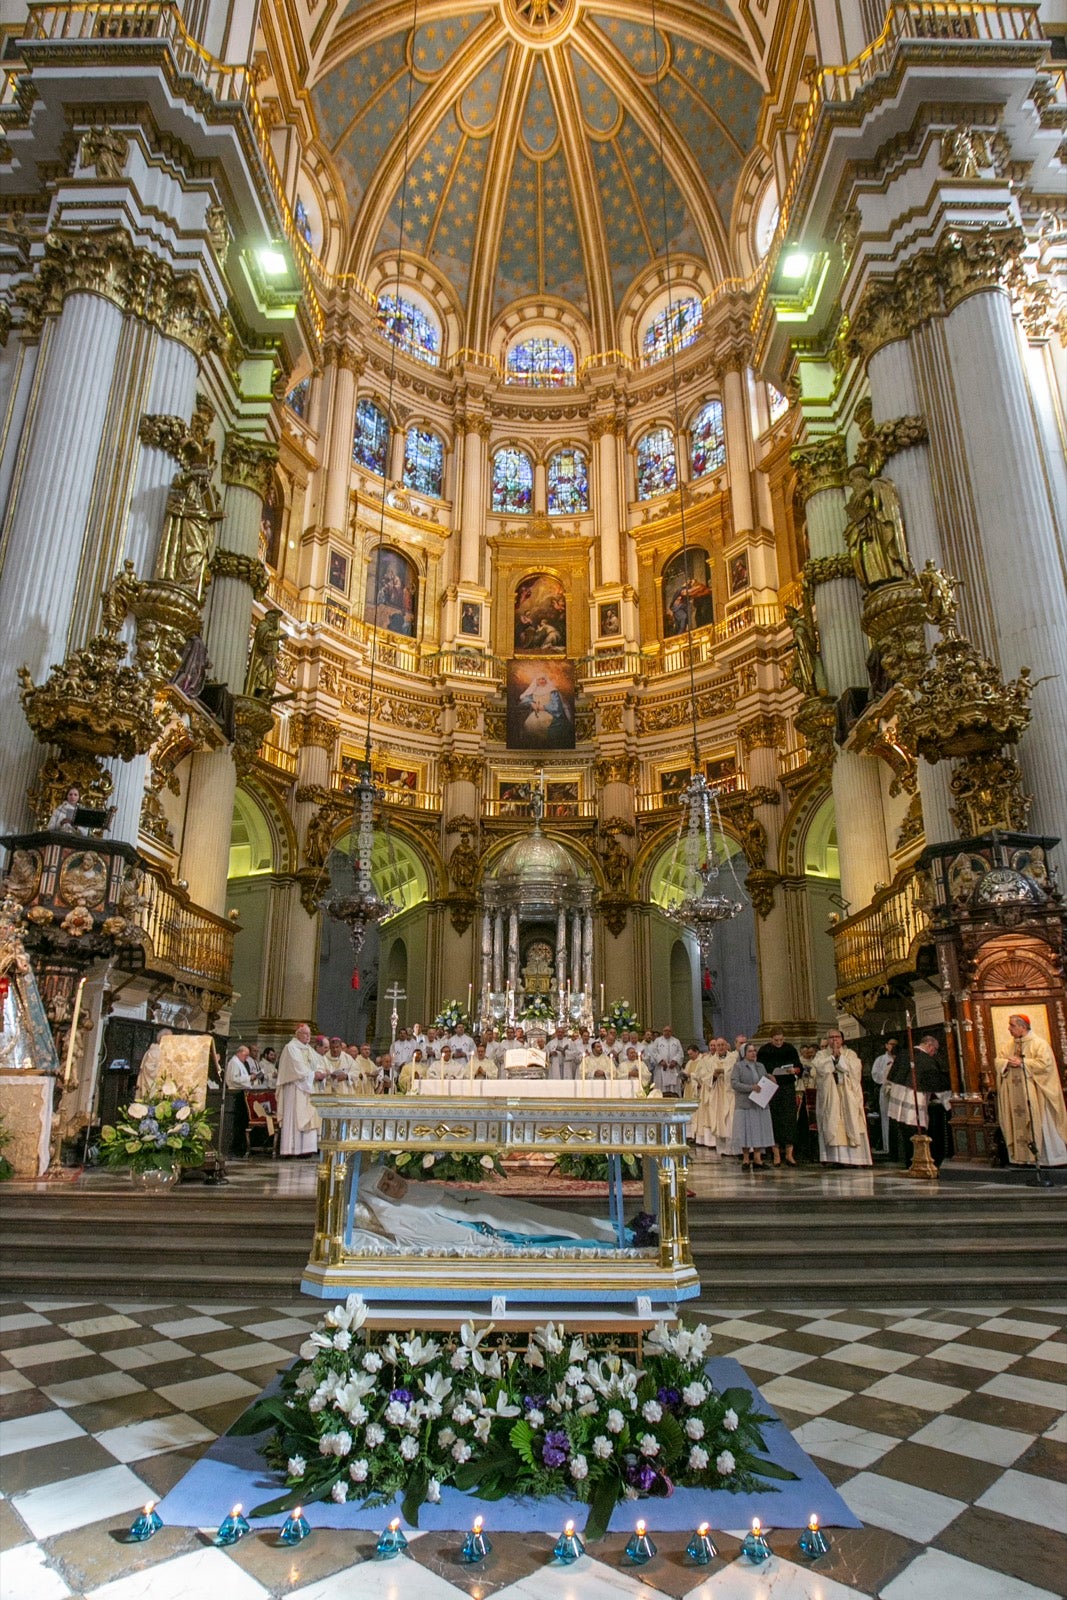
point(408, 326)
point(778, 403)
point(657, 470)
point(512, 481)
point(541, 363)
point(672, 329)
point(707, 441)
point(568, 483)
point(370, 447)
point(424, 462)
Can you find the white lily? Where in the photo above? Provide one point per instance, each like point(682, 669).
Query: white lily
point(350, 1316)
point(436, 1387)
point(356, 1388)
point(550, 1338)
point(419, 1351)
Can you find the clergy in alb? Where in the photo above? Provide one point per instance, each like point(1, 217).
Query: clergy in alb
point(1030, 1105)
point(839, 1105)
point(301, 1071)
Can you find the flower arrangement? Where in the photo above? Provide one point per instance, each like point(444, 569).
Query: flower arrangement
point(374, 1416)
point(537, 1009)
point(450, 1016)
point(619, 1015)
point(456, 1166)
point(156, 1133)
point(595, 1168)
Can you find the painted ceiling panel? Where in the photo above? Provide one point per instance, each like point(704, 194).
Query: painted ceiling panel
point(600, 109)
point(563, 265)
point(479, 101)
point(440, 212)
point(437, 42)
point(361, 107)
point(539, 127)
point(636, 41)
point(517, 263)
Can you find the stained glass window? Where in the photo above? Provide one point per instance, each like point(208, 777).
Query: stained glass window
point(541, 363)
point(298, 396)
point(302, 220)
point(370, 447)
point(777, 401)
point(657, 471)
point(408, 326)
point(424, 462)
point(512, 481)
point(568, 483)
point(707, 441)
point(672, 329)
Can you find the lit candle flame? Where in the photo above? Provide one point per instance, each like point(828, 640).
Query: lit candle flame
point(568, 1529)
point(477, 1528)
point(640, 1530)
point(149, 1508)
point(755, 1525)
point(813, 1522)
point(299, 1512)
point(702, 1531)
point(394, 1525)
point(236, 1512)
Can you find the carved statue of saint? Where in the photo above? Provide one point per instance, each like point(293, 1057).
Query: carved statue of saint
point(263, 657)
point(939, 597)
point(188, 528)
point(807, 674)
point(875, 531)
point(463, 864)
point(319, 836)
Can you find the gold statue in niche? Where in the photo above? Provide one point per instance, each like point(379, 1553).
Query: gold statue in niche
point(192, 511)
point(875, 531)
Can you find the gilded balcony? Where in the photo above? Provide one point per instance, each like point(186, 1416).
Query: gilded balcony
point(884, 942)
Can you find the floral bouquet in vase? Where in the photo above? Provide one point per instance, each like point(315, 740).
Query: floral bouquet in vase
point(450, 1016)
point(620, 1015)
point(538, 1010)
point(157, 1133)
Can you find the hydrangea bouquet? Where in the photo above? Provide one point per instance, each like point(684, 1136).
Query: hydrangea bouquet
point(620, 1015)
point(450, 1016)
point(537, 1009)
point(160, 1132)
point(373, 1416)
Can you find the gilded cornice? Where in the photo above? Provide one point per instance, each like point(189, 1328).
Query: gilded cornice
point(139, 283)
point(766, 730)
point(933, 283)
point(820, 464)
point(248, 463)
point(246, 569)
point(308, 728)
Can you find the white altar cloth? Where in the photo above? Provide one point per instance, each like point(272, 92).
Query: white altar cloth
point(530, 1088)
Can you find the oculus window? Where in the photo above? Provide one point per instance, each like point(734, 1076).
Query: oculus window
point(370, 447)
point(568, 483)
point(512, 481)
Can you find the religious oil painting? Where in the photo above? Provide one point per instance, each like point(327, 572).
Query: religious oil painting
point(338, 571)
point(513, 797)
point(401, 784)
point(739, 578)
point(270, 525)
point(721, 773)
point(392, 592)
point(687, 594)
point(561, 799)
point(541, 615)
point(673, 781)
point(541, 704)
point(609, 620)
point(470, 618)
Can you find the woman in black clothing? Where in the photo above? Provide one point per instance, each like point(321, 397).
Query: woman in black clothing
point(781, 1062)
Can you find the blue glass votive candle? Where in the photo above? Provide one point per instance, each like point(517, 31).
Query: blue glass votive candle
point(295, 1528)
point(639, 1547)
point(568, 1547)
point(754, 1545)
point(700, 1549)
point(813, 1543)
point(391, 1541)
point(144, 1526)
point(475, 1546)
point(232, 1528)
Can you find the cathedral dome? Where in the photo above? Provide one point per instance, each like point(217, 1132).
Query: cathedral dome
point(535, 859)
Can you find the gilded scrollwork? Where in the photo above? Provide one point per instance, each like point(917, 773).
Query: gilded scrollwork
point(824, 569)
point(766, 730)
point(459, 768)
point(310, 728)
point(616, 769)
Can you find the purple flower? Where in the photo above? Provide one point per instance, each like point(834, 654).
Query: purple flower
point(669, 1399)
point(641, 1478)
point(532, 1402)
point(403, 1395)
point(555, 1448)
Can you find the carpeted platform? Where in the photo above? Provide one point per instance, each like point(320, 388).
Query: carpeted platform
point(233, 1472)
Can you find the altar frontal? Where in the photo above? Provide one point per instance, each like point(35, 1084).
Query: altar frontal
point(454, 1252)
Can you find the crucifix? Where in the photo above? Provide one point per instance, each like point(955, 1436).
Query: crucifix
point(535, 793)
point(395, 993)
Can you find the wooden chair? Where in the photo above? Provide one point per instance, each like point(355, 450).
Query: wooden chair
point(262, 1113)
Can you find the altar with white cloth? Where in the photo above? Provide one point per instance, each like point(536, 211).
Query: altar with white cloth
point(514, 1259)
point(530, 1088)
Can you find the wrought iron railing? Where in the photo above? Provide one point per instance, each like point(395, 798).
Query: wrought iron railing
point(183, 940)
point(880, 942)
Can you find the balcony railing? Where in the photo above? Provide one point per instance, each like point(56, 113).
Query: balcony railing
point(463, 664)
point(555, 810)
point(657, 801)
point(184, 940)
point(880, 942)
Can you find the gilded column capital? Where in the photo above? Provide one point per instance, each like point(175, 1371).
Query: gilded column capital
point(766, 730)
point(457, 768)
point(616, 769)
point(820, 464)
point(246, 569)
point(248, 463)
point(824, 569)
point(139, 283)
point(310, 728)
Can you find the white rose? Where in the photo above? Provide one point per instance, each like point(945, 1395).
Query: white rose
point(462, 1414)
point(339, 1492)
point(694, 1428)
point(375, 1435)
point(409, 1447)
point(583, 1394)
point(317, 1403)
point(535, 1418)
point(615, 1421)
point(446, 1438)
point(652, 1411)
point(602, 1447)
point(358, 1470)
point(725, 1463)
point(372, 1362)
point(461, 1452)
point(694, 1394)
point(698, 1459)
point(136, 1110)
point(395, 1413)
point(297, 1466)
point(729, 1421)
point(648, 1445)
point(488, 1163)
point(579, 1468)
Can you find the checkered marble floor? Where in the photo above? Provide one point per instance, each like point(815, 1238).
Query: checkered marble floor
point(945, 1431)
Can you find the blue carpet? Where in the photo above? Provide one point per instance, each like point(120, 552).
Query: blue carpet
point(233, 1472)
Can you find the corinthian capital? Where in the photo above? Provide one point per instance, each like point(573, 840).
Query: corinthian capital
point(822, 464)
point(248, 463)
point(309, 728)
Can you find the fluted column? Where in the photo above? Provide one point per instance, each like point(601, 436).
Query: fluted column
point(738, 447)
point(487, 960)
point(587, 955)
point(498, 952)
point(513, 950)
point(608, 516)
point(340, 414)
point(761, 737)
point(474, 496)
point(246, 468)
point(561, 949)
point(315, 737)
point(42, 537)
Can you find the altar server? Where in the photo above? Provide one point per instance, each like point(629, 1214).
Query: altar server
point(1030, 1105)
point(839, 1105)
point(301, 1071)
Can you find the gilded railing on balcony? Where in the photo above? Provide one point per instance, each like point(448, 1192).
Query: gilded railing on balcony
point(183, 940)
point(555, 810)
point(657, 801)
point(880, 942)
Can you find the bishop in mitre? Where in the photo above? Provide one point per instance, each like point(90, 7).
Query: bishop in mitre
point(301, 1071)
point(1030, 1105)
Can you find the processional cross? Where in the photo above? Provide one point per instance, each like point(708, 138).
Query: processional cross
point(395, 993)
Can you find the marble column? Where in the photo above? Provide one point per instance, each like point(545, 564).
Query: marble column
point(315, 737)
point(43, 531)
point(561, 950)
point(498, 952)
point(738, 447)
point(576, 952)
point(760, 738)
point(339, 410)
point(587, 955)
point(513, 950)
point(607, 501)
point(487, 960)
point(473, 501)
point(540, 488)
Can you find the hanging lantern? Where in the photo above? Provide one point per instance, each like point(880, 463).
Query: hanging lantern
point(703, 908)
point(362, 906)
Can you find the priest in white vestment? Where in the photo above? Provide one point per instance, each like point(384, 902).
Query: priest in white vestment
point(341, 1067)
point(839, 1105)
point(1030, 1106)
point(301, 1072)
point(597, 1064)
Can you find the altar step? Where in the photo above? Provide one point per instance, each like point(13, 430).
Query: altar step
point(198, 1244)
